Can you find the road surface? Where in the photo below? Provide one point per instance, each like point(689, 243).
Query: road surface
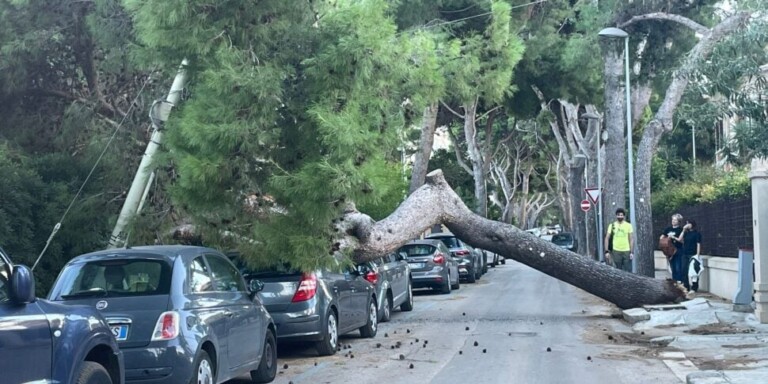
point(516, 325)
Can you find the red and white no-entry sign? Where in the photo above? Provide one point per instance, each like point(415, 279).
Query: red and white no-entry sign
point(585, 205)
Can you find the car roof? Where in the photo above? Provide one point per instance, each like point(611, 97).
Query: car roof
point(439, 235)
point(164, 252)
point(425, 242)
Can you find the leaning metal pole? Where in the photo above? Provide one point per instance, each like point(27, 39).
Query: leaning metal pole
point(158, 114)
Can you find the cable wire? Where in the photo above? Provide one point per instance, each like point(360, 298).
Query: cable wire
point(104, 151)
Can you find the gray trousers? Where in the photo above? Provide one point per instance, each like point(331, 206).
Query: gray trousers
point(622, 261)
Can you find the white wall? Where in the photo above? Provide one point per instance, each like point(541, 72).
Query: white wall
point(720, 276)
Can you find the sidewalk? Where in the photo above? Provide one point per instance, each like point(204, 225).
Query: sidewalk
point(704, 341)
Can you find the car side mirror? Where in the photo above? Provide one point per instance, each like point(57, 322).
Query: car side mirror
point(401, 256)
point(255, 285)
point(22, 285)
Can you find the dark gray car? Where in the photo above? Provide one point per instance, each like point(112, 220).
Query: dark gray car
point(180, 314)
point(471, 263)
point(317, 306)
point(44, 342)
point(391, 276)
point(432, 265)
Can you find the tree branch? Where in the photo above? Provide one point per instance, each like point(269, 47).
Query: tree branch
point(457, 150)
point(696, 27)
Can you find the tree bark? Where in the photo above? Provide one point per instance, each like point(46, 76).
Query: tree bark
point(427, 139)
point(615, 171)
point(662, 123)
point(435, 202)
point(476, 157)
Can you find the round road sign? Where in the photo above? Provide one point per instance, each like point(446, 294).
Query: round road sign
point(585, 205)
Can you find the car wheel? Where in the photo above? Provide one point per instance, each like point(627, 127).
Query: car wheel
point(386, 309)
point(327, 346)
point(203, 373)
point(457, 285)
point(503, 260)
point(92, 373)
point(446, 288)
point(407, 306)
point(268, 365)
point(369, 329)
point(471, 276)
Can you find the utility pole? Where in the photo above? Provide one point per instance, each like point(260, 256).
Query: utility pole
point(158, 114)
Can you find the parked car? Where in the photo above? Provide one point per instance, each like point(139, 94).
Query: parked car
point(391, 277)
point(566, 240)
point(492, 259)
point(472, 259)
point(319, 305)
point(44, 342)
point(432, 265)
point(180, 314)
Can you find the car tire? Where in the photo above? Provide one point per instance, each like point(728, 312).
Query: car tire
point(471, 276)
point(457, 285)
point(503, 260)
point(268, 365)
point(446, 288)
point(327, 346)
point(386, 309)
point(203, 373)
point(407, 306)
point(372, 325)
point(92, 373)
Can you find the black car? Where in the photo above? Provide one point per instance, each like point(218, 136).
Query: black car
point(565, 240)
point(44, 342)
point(318, 305)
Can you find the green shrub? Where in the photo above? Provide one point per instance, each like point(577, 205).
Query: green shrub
point(707, 187)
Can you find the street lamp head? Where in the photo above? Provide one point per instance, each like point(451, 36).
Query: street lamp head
point(613, 33)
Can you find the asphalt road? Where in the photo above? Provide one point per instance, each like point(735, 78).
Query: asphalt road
point(516, 325)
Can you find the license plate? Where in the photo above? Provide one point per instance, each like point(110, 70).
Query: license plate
point(120, 332)
point(417, 265)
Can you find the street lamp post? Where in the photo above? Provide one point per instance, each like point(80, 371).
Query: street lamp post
point(599, 211)
point(618, 33)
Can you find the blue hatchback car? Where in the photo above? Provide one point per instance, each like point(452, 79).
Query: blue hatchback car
point(43, 342)
point(180, 314)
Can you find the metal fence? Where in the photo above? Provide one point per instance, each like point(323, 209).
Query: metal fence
point(725, 226)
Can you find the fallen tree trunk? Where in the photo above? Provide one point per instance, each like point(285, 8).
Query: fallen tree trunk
point(436, 202)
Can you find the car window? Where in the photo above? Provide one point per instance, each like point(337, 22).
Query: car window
point(417, 249)
point(451, 242)
point(199, 276)
point(115, 277)
point(4, 277)
point(225, 275)
point(561, 238)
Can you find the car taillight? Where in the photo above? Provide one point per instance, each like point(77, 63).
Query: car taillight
point(462, 252)
point(439, 258)
point(307, 288)
point(372, 277)
point(167, 327)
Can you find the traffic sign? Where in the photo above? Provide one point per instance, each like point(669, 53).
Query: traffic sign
point(585, 205)
point(593, 194)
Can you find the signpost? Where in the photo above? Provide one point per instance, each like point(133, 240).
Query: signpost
point(585, 205)
point(593, 194)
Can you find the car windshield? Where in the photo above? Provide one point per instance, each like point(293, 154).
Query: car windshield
point(413, 250)
point(275, 270)
point(115, 277)
point(561, 238)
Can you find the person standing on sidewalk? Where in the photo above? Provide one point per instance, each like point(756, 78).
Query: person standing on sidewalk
point(676, 262)
point(619, 242)
point(691, 239)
